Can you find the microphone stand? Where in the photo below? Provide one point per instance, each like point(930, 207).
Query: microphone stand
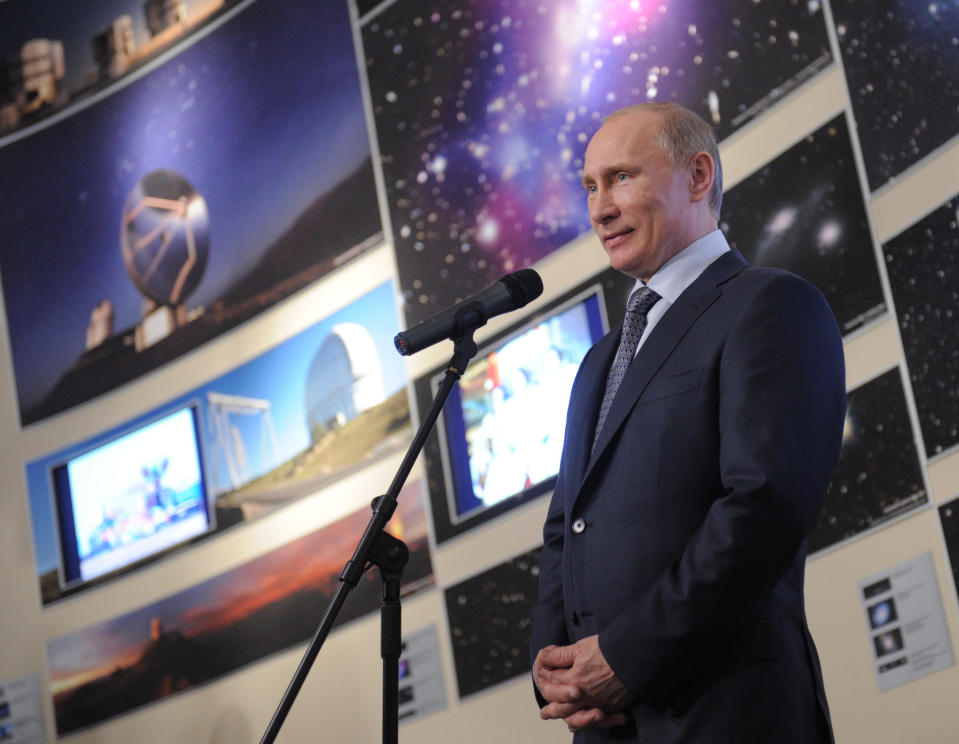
point(378, 547)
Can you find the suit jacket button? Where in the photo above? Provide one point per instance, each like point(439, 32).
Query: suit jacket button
point(579, 525)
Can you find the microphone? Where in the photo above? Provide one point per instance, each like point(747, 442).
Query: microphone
point(510, 293)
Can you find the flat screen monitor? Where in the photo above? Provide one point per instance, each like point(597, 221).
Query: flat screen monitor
point(131, 498)
point(504, 422)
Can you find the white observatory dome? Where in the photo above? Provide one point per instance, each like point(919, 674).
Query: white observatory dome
point(345, 379)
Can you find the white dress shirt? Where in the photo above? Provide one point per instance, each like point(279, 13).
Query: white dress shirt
point(674, 276)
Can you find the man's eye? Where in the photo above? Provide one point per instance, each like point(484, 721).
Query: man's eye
point(621, 177)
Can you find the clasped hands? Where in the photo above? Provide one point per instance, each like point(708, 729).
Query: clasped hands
point(579, 686)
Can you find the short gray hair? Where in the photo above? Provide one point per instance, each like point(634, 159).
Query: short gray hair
point(683, 134)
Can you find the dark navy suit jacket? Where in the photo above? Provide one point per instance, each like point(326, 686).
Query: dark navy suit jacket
point(680, 540)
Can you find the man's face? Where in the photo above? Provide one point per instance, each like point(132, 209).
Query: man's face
point(639, 203)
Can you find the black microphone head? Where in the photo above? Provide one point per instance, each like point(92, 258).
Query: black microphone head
point(510, 293)
point(524, 286)
point(402, 344)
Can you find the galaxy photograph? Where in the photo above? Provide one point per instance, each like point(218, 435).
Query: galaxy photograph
point(923, 267)
point(879, 476)
point(902, 70)
point(805, 212)
point(142, 226)
point(483, 109)
point(489, 623)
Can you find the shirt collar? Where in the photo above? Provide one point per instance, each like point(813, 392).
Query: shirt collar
point(674, 276)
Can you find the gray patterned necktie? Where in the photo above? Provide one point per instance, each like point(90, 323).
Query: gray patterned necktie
point(634, 324)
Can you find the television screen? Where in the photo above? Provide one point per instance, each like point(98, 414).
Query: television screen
point(504, 422)
point(131, 498)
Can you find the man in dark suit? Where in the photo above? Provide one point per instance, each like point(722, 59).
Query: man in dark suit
point(671, 580)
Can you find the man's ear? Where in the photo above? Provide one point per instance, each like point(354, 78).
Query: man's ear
point(701, 171)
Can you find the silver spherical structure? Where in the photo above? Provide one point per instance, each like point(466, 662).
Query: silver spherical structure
point(165, 237)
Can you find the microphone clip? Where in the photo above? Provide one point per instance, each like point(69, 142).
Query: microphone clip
point(468, 318)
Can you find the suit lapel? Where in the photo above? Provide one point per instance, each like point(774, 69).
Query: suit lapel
point(662, 341)
point(584, 407)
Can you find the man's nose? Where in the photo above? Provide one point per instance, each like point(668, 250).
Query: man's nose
point(602, 207)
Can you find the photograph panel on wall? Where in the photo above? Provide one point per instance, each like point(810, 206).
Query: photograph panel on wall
point(366, 6)
point(879, 476)
point(483, 109)
point(805, 212)
point(195, 636)
point(902, 72)
point(489, 623)
point(58, 54)
point(181, 201)
point(499, 439)
point(312, 409)
point(949, 518)
point(923, 267)
point(422, 691)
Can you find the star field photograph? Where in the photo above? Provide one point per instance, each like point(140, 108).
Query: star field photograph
point(901, 59)
point(489, 623)
point(879, 476)
point(184, 202)
point(949, 518)
point(483, 110)
point(923, 267)
point(805, 212)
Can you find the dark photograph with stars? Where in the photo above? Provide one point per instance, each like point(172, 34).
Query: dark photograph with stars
point(187, 200)
point(949, 517)
point(483, 110)
point(901, 59)
point(879, 476)
point(923, 267)
point(805, 212)
point(489, 623)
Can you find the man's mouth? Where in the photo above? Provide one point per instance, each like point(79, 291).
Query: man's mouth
point(613, 239)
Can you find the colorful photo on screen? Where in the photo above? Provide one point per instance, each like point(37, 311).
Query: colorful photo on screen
point(281, 426)
point(504, 422)
point(132, 497)
point(522, 374)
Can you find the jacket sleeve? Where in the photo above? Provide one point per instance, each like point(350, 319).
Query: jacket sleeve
point(548, 624)
point(781, 409)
